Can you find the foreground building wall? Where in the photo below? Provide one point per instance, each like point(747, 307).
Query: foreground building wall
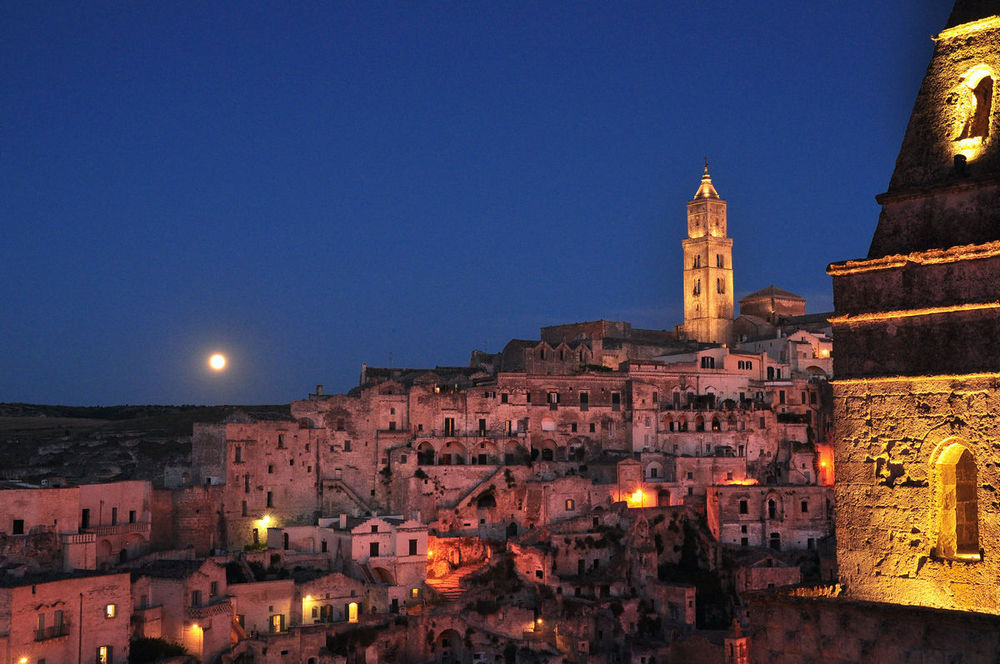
point(918, 328)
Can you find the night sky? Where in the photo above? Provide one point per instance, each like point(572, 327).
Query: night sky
point(306, 187)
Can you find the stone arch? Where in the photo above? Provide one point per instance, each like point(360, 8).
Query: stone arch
point(547, 450)
point(104, 550)
point(699, 423)
point(668, 423)
point(306, 423)
point(425, 454)
point(486, 501)
point(974, 101)
point(654, 470)
point(955, 474)
point(515, 453)
point(450, 647)
point(682, 423)
point(548, 424)
point(486, 454)
point(452, 454)
point(716, 424)
point(813, 370)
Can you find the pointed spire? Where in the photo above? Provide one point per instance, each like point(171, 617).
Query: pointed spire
point(706, 190)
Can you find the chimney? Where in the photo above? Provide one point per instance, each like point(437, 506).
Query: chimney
point(319, 390)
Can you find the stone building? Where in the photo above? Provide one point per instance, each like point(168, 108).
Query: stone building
point(79, 617)
point(916, 392)
point(708, 268)
point(918, 327)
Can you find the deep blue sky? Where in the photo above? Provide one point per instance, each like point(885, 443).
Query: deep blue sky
point(310, 186)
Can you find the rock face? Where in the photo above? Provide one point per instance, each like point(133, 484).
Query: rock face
point(918, 332)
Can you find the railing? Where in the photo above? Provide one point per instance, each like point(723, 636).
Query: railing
point(215, 608)
point(53, 632)
point(119, 529)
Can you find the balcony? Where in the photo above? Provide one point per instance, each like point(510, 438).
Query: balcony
point(53, 632)
point(119, 529)
point(217, 607)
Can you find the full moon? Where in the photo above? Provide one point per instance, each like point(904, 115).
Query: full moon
point(217, 361)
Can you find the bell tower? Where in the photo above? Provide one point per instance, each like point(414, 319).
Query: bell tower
point(708, 268)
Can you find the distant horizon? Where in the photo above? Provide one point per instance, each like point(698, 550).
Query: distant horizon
point(306, 190)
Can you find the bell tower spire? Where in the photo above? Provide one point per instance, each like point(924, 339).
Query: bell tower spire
point(708, 268)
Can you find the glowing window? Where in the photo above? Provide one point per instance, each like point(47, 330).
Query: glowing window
point(352, 612)
point(110, 610)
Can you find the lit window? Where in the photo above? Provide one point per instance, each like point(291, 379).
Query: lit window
point(110, 610)
point(415, 593)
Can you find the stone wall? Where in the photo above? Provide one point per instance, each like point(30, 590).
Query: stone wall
point(790, 629)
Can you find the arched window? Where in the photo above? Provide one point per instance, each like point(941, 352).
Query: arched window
point(958, 505)
point(976, 104)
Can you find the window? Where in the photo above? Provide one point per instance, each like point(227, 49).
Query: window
point(744, 507)
point(195, 598)
point(570, 504)
point(553, 398)
point(572, 427)
point(449, 426)
point(772, 509)
point(593, 427)
point(958, 507)
point(719, 262)
point(110, 610)
point(375, 528)
point(131, 516)
point(243, 508)
point(373, 549)
point(270, 499)
point(413, 547)
point(616, 401)
point(340, 424)
point(239, 454)
point(270, 469)
point(276, 623)
point(18, 527)
point(720, 285)
point(697, 287)
point(415, 593)
point(781, 396)
point(392, 426)
point(979, 100)
point(105, 655)
point(503, 397)
point(482, 426)
point(584, 400)
point(744, 542)
point(805, 506)
point(281, 441)
point(347, 446)
point(85, 518)
point(775, 542)
point(213, 589)
point(708, 363)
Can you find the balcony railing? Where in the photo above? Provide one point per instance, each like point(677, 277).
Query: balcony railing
point(119, 529)
point(53, 632)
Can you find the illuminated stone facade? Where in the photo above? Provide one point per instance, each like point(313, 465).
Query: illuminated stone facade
point(917, 386)
point(708, 268)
